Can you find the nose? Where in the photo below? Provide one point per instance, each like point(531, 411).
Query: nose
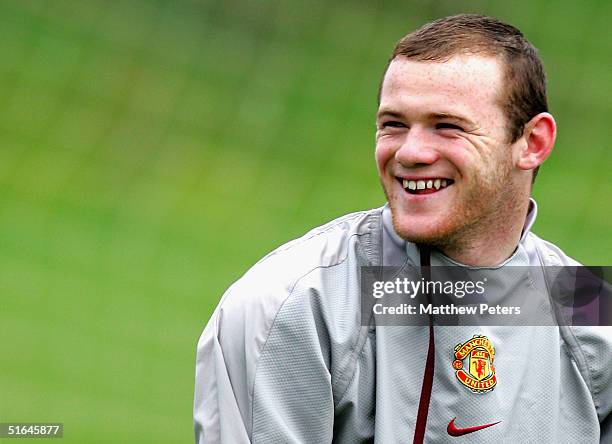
point(417, 149)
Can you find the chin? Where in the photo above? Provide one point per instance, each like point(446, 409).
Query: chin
point(429, 232)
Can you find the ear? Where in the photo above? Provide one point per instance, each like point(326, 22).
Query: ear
point(539, 138)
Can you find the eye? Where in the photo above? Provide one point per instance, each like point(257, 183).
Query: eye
point(392, 124)
point(446, 125)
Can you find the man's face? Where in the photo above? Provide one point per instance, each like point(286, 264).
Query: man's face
point(442, 149)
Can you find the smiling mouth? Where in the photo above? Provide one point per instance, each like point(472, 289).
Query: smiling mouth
point(425, 186)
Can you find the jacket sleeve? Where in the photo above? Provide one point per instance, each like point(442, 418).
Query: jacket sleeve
point(262, 372)
point(601, 353)
point(218, 409)
point(595, 344)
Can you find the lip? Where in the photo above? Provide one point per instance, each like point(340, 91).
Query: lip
point(429, 177)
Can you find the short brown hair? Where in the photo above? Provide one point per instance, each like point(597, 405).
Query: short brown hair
point(525, 93)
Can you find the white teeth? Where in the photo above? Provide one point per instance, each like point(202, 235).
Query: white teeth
point(409, 184)
point(424, 184)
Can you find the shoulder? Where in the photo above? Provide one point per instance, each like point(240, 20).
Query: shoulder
point(251, 305)
point(324, 246)
point(550, 254)
point(330, 239)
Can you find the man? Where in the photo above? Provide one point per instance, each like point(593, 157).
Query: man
point(288, 356)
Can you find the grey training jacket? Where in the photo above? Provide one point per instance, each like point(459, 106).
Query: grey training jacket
point(285, 358)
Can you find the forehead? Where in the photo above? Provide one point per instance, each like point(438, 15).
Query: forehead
point(470, 84)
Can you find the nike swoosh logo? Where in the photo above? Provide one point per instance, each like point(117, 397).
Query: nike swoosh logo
point(453, 430)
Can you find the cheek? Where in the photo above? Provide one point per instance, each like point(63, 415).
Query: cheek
point(462, 160)
point(462, 156)
point(384, 153)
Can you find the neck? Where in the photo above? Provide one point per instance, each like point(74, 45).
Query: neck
point(491, 241)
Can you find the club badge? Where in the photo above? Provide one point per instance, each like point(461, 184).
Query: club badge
point(473, 364)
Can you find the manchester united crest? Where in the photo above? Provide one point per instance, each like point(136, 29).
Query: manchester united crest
point(473, 364)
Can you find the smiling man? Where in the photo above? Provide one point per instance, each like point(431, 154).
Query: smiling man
point(291, 356)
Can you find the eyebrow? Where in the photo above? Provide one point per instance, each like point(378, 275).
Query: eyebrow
point(450, 116)
point(388, 113)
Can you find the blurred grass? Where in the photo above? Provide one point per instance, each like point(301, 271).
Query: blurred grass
point(152, 151)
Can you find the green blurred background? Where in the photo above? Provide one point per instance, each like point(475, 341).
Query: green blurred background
point(151, 151)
